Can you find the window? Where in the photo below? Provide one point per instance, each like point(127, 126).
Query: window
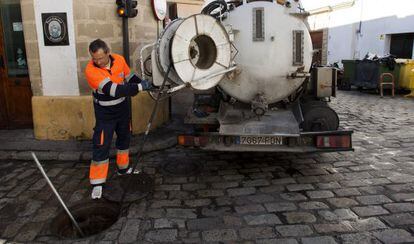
point(298, 47)
point(258, 24)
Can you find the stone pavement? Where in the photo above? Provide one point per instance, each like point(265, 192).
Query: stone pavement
point(366, 196)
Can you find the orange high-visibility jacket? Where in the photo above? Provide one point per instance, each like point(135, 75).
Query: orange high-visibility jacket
point(110, 87)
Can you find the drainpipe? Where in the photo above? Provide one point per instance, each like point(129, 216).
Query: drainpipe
point(329, 8)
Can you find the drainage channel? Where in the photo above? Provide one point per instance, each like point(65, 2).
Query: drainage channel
point(92, 217)
point(96, 216)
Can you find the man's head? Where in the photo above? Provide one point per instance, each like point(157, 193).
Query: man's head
point(99, 52)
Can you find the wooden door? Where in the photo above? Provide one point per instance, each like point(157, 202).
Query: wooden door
point(15, 90)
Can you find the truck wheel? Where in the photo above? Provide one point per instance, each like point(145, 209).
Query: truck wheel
point(320, 118)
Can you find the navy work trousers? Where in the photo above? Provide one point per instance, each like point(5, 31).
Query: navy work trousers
point(103, 134)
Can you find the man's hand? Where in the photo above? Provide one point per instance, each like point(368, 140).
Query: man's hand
point(146, 85)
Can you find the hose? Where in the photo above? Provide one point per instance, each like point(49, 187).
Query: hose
point(215, 9)
point(141, 148)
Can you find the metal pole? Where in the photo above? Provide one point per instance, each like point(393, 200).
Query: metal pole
point(57, 195)
point(125, 39)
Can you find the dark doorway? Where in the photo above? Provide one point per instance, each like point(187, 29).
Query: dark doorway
point(317, 41)
point(402, 45)
point(15, 90)
point(172, 11)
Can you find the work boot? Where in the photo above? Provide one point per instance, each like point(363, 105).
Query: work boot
point(96, 192)
point(127, 171)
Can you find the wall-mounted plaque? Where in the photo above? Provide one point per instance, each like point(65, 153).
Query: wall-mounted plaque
point(17, 26)
point(55, 29)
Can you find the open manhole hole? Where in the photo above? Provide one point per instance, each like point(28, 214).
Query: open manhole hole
point(181, 167)
point(92, 217)
point(141, 185)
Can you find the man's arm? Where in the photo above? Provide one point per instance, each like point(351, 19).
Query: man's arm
point(117, 90)
point(132, 78)
point(98, 81)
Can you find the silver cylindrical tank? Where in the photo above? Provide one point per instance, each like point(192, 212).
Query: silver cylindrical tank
point(272, 44)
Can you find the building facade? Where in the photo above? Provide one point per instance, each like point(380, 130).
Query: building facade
point(44, 48)
point(354, 28)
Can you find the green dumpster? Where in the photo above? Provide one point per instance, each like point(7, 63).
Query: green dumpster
point(349, 74)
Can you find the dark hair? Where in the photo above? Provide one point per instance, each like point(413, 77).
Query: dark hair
point(98, 44)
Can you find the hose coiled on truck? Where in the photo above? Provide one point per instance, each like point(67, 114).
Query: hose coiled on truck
point(215, 9)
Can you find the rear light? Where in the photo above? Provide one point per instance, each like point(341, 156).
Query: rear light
point(334, 141)
point(198, 141)
point(182, 140)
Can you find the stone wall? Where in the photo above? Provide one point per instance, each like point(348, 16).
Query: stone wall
point(324, 60)
point(98, 19)
point(32, 49)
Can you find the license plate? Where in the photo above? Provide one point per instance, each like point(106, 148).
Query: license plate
point(260, 140)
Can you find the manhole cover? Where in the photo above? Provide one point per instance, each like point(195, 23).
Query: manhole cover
point(181, 167)
point(141, 185)
point(92, 217)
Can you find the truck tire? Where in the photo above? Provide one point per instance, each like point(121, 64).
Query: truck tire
point(319, 117)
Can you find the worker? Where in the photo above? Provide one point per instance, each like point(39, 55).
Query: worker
point(111, 81)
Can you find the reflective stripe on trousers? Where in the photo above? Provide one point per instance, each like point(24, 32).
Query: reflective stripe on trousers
point(122, 159)
point(98, 171)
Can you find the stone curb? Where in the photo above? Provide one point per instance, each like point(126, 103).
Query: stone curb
point(154, 143)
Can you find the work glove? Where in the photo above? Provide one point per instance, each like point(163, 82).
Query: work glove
point(145, 85)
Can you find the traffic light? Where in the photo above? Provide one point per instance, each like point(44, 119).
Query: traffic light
point(122, 8)
point(131, 8)
point(127, 8)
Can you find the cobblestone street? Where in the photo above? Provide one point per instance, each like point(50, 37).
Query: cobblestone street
point(366, 196)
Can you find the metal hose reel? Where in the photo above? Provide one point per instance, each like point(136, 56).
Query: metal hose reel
point(199, 50)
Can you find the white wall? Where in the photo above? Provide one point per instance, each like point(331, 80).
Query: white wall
point(57, 63)
point(377, 17)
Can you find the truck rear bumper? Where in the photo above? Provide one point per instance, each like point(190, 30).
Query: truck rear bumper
point(329, 141)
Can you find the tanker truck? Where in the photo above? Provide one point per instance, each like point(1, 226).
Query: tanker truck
point(249, 64)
